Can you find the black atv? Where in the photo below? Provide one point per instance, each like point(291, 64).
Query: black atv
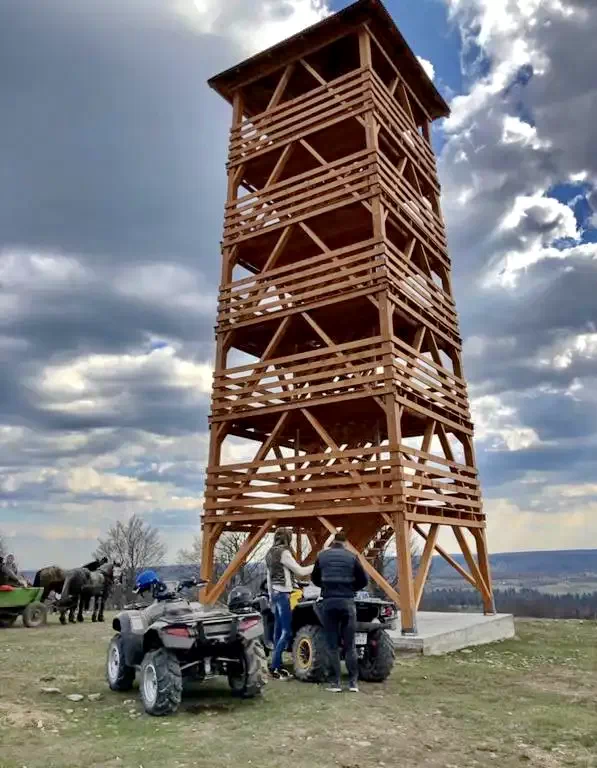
point(174, 639)
point(374, 646)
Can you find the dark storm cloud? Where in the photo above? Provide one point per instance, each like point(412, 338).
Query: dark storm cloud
point(112, 152)
point(111, 144)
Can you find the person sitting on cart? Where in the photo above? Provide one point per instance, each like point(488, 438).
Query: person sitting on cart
point(281, 567)
point(8, 578)
point(12, 566)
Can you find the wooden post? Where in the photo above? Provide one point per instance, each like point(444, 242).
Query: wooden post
point(408, 617)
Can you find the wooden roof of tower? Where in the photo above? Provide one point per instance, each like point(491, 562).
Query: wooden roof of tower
point(370, 12)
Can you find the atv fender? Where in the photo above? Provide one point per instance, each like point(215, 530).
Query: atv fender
point(132, 641)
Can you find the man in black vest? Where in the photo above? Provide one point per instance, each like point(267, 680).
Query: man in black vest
point(340, 575)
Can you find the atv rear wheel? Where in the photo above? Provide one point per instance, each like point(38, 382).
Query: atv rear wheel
point(378, 657)
point(309, 654)
point(248, 682)
point(34, 615)
point(120, 676)
point(160, 683)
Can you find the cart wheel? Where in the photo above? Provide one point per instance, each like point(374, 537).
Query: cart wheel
point(34, 615)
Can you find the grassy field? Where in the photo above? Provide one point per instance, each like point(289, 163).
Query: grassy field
point(530, 701)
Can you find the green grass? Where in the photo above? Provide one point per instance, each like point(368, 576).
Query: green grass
point(529, 701)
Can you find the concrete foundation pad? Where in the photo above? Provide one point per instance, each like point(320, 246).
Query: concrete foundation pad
point(440, 633)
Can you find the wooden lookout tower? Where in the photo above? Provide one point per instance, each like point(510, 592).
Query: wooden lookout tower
point(338, 350)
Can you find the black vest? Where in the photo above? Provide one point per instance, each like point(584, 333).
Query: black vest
point(337, 567)
point(274, 564)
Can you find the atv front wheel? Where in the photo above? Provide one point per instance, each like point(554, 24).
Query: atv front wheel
point(160, 683)
point(378, 657)
point(309, 654)
point(120, 676)
point(34, 615)
point(248, 681)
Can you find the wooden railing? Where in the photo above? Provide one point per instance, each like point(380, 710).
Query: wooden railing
point(297, 286)
point(420, 378)
point(439, 490)
point(421, 294)
point(336, 373)
point(331, 374)
point(323, 189)
point(402, 130)
point(342, 98)
point(399, 195)
point(343, 482)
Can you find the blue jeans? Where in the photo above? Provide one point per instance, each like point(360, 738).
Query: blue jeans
point(282, 626)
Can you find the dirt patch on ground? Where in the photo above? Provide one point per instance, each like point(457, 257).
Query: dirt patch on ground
point(16, 715)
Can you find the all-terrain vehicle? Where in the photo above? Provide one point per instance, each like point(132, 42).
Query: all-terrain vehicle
point(21, 601)
point(307, 645)
point(175, 639)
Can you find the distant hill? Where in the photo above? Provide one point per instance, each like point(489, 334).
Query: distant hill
point(523, 566)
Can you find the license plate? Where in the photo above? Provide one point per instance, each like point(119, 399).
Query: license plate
point(361, 638)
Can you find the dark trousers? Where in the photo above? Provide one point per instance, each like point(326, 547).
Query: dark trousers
point(339, 617)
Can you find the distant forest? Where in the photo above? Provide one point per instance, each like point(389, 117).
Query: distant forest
point(528, 603)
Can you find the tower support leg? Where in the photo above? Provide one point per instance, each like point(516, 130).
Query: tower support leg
point(408, 617)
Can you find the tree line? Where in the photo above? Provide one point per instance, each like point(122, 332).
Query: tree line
point(528, 603)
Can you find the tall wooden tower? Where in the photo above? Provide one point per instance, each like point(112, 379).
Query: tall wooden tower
point(336, 298)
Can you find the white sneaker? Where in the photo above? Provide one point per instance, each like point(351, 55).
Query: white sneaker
point(334, 689)
point(354, 689)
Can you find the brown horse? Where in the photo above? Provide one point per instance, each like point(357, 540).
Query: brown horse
point(52, 577)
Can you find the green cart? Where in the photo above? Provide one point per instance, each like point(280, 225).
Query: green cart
point(22, 601)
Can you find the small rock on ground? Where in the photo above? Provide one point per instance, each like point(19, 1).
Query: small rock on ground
point(94, 696)
point(75, 697)
point(51, 690)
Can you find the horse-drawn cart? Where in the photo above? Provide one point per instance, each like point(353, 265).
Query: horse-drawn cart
point(22, 601)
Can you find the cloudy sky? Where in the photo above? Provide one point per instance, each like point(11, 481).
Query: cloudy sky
point(112, 152)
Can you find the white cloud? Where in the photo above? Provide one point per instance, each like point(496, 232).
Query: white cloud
point(511, 527)
point(106, 382)
point(427, 66)
point(253, 25)
point(564, 352)
point(499, 425)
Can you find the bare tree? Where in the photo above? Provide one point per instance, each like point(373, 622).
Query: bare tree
point(134, 544)
point(190, 556)
point(227, 549)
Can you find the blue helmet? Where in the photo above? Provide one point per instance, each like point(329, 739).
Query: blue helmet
point(146, 580)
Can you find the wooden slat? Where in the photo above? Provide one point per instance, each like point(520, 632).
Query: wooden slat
point(322, 110)
point(346, 179)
